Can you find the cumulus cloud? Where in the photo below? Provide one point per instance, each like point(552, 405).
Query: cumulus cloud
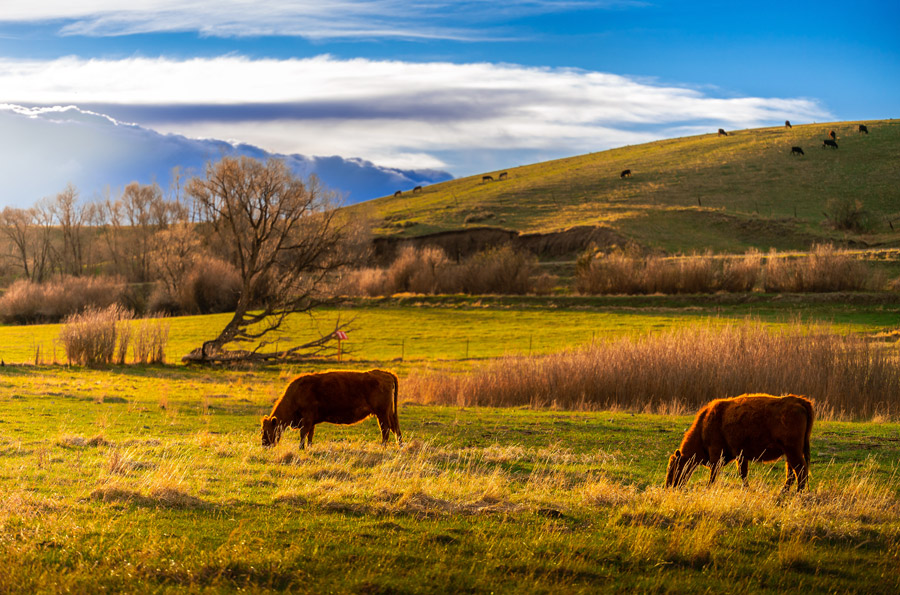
point(313, 19)
point(43, 149)
point(466, 118)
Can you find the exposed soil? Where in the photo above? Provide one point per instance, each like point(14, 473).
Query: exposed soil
point(461, 243)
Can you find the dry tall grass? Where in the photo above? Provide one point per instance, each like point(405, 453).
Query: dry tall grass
point(824, 269)
point(429, 271)
point(25, 302)
point(680, 370)
point(102, 337)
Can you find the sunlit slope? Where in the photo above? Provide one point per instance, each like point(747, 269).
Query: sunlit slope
point(724, 192)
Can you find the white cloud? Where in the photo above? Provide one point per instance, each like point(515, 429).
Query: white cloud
point(315, 19)
point(390, 112)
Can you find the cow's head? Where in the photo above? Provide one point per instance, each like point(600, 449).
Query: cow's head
point(271, 430)
point(679, 470)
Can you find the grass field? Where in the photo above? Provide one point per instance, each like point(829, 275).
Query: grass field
point(153, 479)
point(456, 329)
point(693, 193)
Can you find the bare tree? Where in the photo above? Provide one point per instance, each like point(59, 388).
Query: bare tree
point(28, 230)
point(284, 238)
point(71, 218)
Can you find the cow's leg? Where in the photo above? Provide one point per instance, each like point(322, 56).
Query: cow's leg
point(385, 425)
point(395, 427)
point(743, 463)
point(306, 433)
point(796, 466)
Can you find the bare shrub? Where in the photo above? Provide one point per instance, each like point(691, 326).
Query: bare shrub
point(683, 369)
point(429, 271)
point(500, 270)
point(211, 286)
point(848, 214)
point(150, 340)
point(28, 302)
point(417, 270)
point(741, 274)
point(824, 269)
point(89, 338)
point(603, 274)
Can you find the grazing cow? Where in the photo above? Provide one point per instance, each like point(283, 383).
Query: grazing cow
point(743, 429)
point(342, 397)
point(398, 193)
point(626, 173)
point(503, 176)
point(722, 132)
point(417, 189)
point(797, 151)
point(832, 135)
point(487, 179)
point(829, 143)
point(787, 124)
point(863, 128)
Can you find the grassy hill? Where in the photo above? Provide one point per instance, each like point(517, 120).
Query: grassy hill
point(726, 193)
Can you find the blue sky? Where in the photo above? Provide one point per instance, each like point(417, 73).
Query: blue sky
point(400, 93)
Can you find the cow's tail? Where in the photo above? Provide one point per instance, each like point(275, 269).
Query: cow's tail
point(395, 420)
point(810, 416)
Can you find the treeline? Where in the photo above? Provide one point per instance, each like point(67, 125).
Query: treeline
point(160, 252)
point(145, 249)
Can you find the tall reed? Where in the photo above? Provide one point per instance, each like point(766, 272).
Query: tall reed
point(680, 370)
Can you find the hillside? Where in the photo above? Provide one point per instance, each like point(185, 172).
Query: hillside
point(726, 193)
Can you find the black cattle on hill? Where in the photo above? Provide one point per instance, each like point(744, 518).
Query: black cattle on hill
point(722, 132)
point(797, 151)
point(829, 143)
point(787, 124)
point(626, 173)
point(863, 128)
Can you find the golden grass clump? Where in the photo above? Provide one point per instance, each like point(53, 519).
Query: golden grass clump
point(682, 369)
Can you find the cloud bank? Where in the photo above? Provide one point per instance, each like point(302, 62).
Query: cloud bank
point(312, 19)
point(43, 149)
point(465, 118)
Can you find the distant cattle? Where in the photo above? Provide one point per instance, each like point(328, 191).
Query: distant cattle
point(341, 397)
point(863, 128)
point(787, 124)
point(417, 189)
point(502, 176)
point(626, 173)
point(487, 179)
point(832, 135)
point(797, 151)
point(747, 428)
point(722, 132)
point(398, 193)
point(829, 143)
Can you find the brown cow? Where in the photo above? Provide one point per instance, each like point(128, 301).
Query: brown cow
point(503, 176)
point(341, 397)
point(863, 128)
point(747, 428)
point(487, 179)
point(398, 193)
point(833, 135)
point(417, 189)
point(787, 124)
point(626, 173)
point(722, 132)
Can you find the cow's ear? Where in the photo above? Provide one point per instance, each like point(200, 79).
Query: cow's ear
point(678, 453)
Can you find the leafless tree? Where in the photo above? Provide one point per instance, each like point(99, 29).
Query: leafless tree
point(28, 231)
point(283, 236)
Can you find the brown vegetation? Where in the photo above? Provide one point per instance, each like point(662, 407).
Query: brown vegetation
point(427, 270)
point(26, 302)
point(824, 269)
point(681, 370)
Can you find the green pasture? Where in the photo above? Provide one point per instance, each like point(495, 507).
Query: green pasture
point(457, 329)
point(686, 194)
point(153, 480)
